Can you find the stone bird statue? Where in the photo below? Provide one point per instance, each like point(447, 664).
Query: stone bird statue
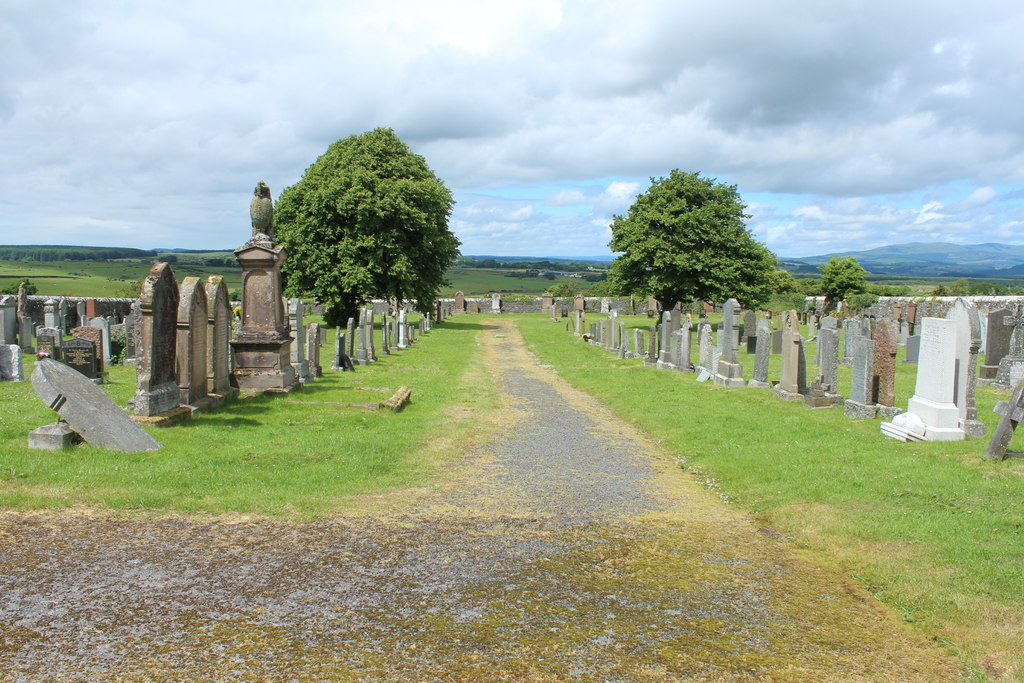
point(261, 210)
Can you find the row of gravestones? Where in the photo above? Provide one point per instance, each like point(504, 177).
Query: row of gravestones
point(946, 351)
point(462, 305)
point(355, 345)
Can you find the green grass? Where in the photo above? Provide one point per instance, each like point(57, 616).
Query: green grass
point(483, 281)
point(934, 529)
point(100, 278)
point(266, 455)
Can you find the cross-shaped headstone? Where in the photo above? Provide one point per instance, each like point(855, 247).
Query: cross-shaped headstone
point(1017, 339)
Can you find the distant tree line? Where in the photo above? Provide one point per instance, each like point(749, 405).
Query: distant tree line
point(565, 266)
point(34, 252)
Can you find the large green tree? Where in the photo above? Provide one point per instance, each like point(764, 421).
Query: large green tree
point(842, 278)
point(368, 219)
point(685, 239)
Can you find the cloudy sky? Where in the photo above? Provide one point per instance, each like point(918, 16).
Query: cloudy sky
point(845, 125)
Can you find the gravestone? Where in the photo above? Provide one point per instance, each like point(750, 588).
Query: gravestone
point(1010, 372)
point(579, 303)
point(131, 333)
point(11, 368)
point(851, 332)
point(730, 372)
point(80, 354)
point(191, 343)
point(25, 337)
point(776, 342)
point(297, 326)
point(88, 409)
point(613, 327)
point(474, 306)
point(546, 301)
point(62, 315)
point(48, 341)
point(103, 325)
point(762, 355)
point(156, 389)
point(828, 360)
point(968, 343)
point(8, 319)
point(495, 303)
point(705, 347)
point(861, 404)
point(638, 343)
point(313, 345)
point(50, 316)
point(218, 335)
point(94, 335)
point(749, 325)
point(460, 303)
point(577, 322)
point(884, 388)
point(792, 384)
point(931, 412)
point(664, 332)
point(686, 344)
point(652, 307)
point(913, 349)
point(606, 304)
point(262, 347)
point(997, 343)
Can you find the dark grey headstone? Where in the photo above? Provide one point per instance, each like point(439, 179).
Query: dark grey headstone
point(88, 409)
point(913, 348)
point(80, 354)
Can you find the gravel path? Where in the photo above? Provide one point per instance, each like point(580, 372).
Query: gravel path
point(570, 548)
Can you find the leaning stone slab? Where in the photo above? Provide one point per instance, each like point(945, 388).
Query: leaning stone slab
point(88, 409)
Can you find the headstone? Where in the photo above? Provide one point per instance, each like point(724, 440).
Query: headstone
point(851, 332)
point(350, 338)
point(495, 303)
point(828, 361)
point(762, 355)
point(730, 372)
point(88, 409)
point(884, 388)
point(577, 322)
point(103, 325)
point(686, 345)
point(931, 412)
point(8, 319)
point(11, 368)
point(62, 315)
point(546, 301)
point(156, 385)
point(861, 404)
point(91, 308)
point(776, 342)
point(997, 343)
point(606, 304)
point(968, 343)
point(48, 340)
point(460, 303)
point(313, 345)
point(191, 345)
point(131, 331)
point(579, 303)
point(262, 347)
point(1010, 372)
point(749, 325)
point(639, 349)
point(792, 384)
point(705, 346)
point(913, 349)
point(297, 326)
point(25, 337)
point(613, 326)
point(93, 335)
point(218, 334)
point(50, 315)
point(80, 354)
point(474, 307)
point(652, 307)
point(664, 333)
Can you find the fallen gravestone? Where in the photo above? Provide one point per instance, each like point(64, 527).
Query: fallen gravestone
point(88, 409)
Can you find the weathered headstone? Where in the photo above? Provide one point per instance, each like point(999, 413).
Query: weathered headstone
point(861, 404)
point(705, 347)
point(913, 349)
point(1011, 367)
point(546, 301)
point(579, 303)
point(884, 388)
point(931, 412)
point(156, 385)
point(495, 303)
point(313, 345)
point(828, 360)
point(50, 315)
point(25, 336)
point(776, 342)
point(48, 340)
point(297, 326)
point(191, 344)
point(730, 372)
point(218, 334)
point(762, 355)
point(997, 344)
point(11, 368)
point(792, 384)
point(262, 347)
point(460, 303)
point(606, 304)
point(88, 409)
point(131, 332)
point(665, 331)
point(749, 324)
point(1012, 412)
point(103, 325)
point(8, 319)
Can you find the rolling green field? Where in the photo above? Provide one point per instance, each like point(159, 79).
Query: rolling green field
point(100, 278)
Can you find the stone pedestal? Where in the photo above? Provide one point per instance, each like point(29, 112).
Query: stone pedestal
point(262, 347)
point(53, 437)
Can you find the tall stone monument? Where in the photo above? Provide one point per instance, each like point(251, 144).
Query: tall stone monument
point(730, 372)
point(156, 390)
point(218, 332)
point(191, 343)
point(263, 344)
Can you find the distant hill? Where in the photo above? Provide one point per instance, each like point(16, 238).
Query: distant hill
point(927, 259)
point(64, 252)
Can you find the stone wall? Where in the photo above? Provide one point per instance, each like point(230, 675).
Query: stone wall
point(119, 308)
point(937, 306)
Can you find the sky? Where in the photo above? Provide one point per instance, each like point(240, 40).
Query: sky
point(845, 125)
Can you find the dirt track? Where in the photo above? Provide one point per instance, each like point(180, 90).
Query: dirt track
point(569, 548)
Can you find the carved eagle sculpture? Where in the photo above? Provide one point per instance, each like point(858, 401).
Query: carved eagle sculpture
point(261, 210)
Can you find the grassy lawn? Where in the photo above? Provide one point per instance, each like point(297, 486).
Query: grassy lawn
point(100, 278)
point(933, 529)
point(266, 455)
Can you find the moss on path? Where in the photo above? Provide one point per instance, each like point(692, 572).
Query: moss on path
point(567, 548)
